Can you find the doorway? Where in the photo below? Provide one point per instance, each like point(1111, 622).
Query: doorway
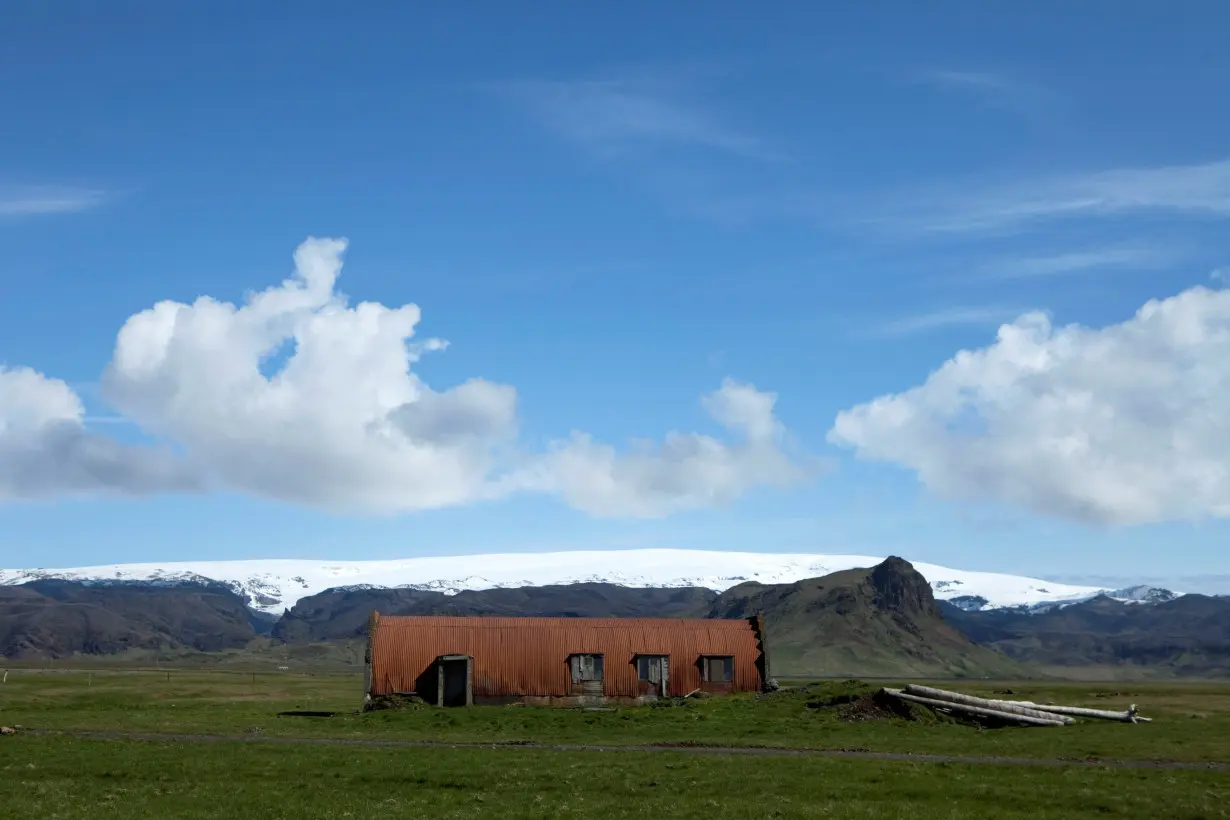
point(653, 672)
point(454, 681)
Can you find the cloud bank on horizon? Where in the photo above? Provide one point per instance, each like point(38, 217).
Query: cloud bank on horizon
point(1119, 425)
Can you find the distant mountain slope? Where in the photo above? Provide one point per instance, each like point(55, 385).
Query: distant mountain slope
point(272, 586)
point(873, 622)
point(53, 618)
point(1186, 636)
point(343, 613)
point(868, 622)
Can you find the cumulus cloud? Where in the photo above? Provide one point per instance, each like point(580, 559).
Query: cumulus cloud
point(344, 423)
point(1125, 424)
point(46, 451)
point(687, 470)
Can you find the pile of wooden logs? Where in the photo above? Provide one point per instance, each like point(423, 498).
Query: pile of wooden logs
point(1007, 711)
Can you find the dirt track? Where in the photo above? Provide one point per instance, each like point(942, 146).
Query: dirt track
point(856, 754)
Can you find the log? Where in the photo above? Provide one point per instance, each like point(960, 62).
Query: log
point(1042, 709)
point(1011, 717)
point(1128, 716)
point(983, 703)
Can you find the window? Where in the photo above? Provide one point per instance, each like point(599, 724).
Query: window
point(717, 668)
point(651, 668)
point(586, 667)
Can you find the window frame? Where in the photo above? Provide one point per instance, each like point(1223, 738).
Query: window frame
point(728, 668)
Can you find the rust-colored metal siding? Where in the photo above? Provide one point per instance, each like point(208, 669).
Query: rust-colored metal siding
point(519, 657)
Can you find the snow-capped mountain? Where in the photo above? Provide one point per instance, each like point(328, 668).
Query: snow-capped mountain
point(273, 585)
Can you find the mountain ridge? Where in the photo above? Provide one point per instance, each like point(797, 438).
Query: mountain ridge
point(55, 618)
point(1188, 636)
point(273, 586)
point(876, 621)
point(881, 620)
point(343, 613)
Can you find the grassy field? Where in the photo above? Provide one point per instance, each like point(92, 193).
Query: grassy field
point(1193, 720)
point(66, 776)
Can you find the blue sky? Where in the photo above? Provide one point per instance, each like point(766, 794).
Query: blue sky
point(607, 215)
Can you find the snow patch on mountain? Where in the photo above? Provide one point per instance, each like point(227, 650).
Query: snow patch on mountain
point(1142, 594)
point(273, 585)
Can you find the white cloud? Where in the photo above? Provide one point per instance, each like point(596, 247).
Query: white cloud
point(1121, 425)
point(346, 425)
point(988, 205)
point(687, 471)
point(40, 200)
point(1221, 275)
point(46, 451)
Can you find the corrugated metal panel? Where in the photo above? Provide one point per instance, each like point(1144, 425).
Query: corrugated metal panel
point(529, 656)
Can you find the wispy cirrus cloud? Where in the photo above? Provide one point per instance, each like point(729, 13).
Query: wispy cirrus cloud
point(1090, 260)
point(988, 316)
point(37, 200)
point(994, 89)
point(1014, 205)
point(616, 116)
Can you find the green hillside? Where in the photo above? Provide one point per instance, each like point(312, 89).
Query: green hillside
point(877, 622)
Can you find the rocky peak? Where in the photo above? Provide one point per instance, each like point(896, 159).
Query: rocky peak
point(901, 588)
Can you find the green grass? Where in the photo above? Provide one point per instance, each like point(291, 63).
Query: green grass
point(66, 778)
point(260, 655)
point(1192, 720)
point(69, 777)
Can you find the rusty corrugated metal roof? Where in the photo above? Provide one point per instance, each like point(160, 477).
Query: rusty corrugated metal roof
point(529, 656)
point(485, 622)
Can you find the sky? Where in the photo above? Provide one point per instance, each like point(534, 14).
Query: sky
point(371, 280)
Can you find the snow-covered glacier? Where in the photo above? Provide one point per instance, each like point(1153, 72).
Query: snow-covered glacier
point(273, 585)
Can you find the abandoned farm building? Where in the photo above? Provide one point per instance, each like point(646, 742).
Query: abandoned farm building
point(457, 661)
